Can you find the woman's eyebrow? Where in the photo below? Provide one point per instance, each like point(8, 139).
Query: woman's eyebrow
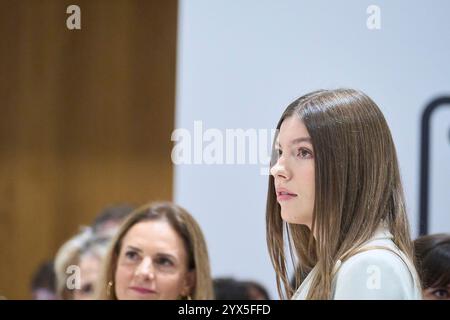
point(134, 248)
point(295, 141)
point(301, 139)
point(167, 255)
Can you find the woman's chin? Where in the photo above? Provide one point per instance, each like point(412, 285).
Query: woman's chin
point(293, 218)
point(286, 217)
point(134, 296)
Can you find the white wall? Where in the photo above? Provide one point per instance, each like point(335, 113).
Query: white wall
point(241, 62)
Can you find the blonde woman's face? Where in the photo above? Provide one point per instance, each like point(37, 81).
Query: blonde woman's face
point(90, 266)
point(152, 264)
point(294, 172)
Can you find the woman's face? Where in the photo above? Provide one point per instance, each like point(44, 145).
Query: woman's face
point(437, 293)
point(89, 270)
point(152, 264)
point(294, 172)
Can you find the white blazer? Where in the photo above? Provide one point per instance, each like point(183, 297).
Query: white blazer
point(375, 273)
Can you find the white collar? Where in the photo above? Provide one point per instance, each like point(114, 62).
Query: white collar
point(382, 233)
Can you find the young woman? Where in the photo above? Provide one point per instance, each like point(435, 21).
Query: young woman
point(433, 263)
point(335, 191)
point(159, 253)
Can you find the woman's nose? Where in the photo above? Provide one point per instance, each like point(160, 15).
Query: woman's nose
point(279, 170)
point(145, 268)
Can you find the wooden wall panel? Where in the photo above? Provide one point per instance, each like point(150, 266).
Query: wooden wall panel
point(85, 120)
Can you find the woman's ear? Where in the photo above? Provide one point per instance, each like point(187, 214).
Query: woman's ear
point(189, 283)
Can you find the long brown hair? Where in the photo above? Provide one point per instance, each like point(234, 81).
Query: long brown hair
point(189, 231)
point(357, 186)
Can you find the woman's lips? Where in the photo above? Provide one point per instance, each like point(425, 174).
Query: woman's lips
point(141, 290)
point(285, 197)
point(284, 194)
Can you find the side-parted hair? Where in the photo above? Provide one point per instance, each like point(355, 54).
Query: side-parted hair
point(188, 230)
point(357, 186)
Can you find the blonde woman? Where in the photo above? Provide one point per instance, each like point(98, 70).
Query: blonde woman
point(90, 261)
point(335, 190)
point(83, 253)
point(159, 253)
point(67, 262)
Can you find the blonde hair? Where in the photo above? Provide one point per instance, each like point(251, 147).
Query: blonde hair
point(68, 255)
point(357, 186)
point(189, 231)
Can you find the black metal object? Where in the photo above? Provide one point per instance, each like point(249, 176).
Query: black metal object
point(425, 160)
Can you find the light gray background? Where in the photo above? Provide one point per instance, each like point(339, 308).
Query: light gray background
point(241, 62)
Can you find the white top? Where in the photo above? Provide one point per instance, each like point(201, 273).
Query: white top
point(376, 273)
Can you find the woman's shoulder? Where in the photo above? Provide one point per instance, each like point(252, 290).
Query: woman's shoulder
point(386, 259)
point(385, 251)
point(375, 273)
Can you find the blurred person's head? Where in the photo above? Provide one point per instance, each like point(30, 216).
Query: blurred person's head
point(66, 261)
point(90, 259)
point(433, 264)
point(43, 283)
point(159, 253)
point(256, 291)
point(230, 289)
point(108, 221)
point(78, 265)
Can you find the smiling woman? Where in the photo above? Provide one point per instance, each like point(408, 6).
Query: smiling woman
point(159, 254)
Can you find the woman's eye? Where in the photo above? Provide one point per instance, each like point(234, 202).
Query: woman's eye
point(304, 153)
point(131, 255)
point(441, 293)
point(165, 262)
